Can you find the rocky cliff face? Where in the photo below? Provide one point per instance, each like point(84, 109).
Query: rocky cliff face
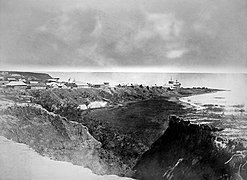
point(189, 151)
point(121, 130)
point(18, 161)
point(52, 135)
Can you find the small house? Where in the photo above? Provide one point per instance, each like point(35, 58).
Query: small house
point(33, 82)
point(4, 73)
point(52, 80)
point(16, 85)
point(38, 86)
point(70, 85)
point(173, 85)
point(11, 79)
point(106, 84)
point(56, 85)
point(81, 84)
point(16, 75)
point(96, 85)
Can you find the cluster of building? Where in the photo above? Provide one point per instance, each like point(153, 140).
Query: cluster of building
point(18, 81)
point(171, 85)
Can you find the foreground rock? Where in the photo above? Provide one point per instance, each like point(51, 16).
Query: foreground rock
point(51, 135)
point(188, 151)
point(18, 161)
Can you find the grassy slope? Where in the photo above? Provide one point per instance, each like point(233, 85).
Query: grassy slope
point(52, 136)
point(125, 132)
point(40, 76)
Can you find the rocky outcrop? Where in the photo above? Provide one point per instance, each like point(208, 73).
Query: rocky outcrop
point(52, 135)
point(189, 151)
point(18, 161)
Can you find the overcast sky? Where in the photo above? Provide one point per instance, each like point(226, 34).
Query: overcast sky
point(122, 34)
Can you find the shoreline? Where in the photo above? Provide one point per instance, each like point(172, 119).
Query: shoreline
point(120, 129)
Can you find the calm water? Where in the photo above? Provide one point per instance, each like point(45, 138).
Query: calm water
point(223, 102)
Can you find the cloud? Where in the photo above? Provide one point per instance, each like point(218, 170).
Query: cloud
point(175, 53)
point(116, 33)
point(166, 25)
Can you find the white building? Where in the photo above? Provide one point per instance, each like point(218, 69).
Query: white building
point(173, 85)
point(56, 85)
point(17, 85)
point(15, 75)
point(11, 79)
point(81, 84)
point(52, 80)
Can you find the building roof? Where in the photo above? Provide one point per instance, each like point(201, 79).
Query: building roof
point(16, 83)
point(16, 75)
point(11, 78)
point(78, 83)
point(70, 84)
point(52, 80)
point(34, 82)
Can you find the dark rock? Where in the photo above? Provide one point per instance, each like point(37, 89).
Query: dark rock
point(184, 152)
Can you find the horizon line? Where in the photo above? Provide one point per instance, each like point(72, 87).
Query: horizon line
point(132, 70)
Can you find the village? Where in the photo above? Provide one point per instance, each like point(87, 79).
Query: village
point(18, 81)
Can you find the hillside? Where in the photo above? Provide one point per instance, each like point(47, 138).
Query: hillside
point(38, 76)
point(108, 140)
point(123, 124)
point(51, 135)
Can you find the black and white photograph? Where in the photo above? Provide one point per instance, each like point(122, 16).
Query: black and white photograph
point(123, 89)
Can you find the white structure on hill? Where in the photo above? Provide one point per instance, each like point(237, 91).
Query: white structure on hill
point(173, 85)
point(17, 84)
point(11, 79)
point(52, 80)
point(81, 84)
point(56, 85)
